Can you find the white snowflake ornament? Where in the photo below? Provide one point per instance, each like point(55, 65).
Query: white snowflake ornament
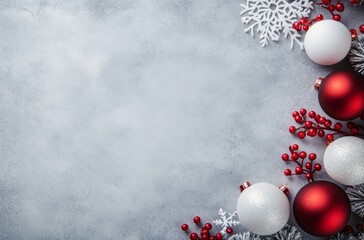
point(226, 221)
point(271, 17)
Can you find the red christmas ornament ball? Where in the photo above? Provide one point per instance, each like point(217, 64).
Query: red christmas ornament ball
point(321, 208)
point(341, 94)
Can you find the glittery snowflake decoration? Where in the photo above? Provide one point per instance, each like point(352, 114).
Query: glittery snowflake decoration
point(287, 233)
point(271, 17)
point(226, 220)
point(356, 196)
point(357, 54)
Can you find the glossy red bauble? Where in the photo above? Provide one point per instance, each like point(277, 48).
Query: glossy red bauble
point(321, 208)
point(341, 94)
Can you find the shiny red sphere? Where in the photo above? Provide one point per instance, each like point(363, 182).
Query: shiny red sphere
point(321, 208)
point(184, 227)
point(197, 219)
point(341, 95)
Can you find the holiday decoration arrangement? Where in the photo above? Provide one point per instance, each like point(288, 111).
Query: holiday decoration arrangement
point(320, 208)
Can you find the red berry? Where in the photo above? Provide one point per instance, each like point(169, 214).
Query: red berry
point(361, 28)
point(212, 238)
point(208, 226)
point(312, 132)
point(292, 129)
point(285, 157)
point(317, 117)
point(297, 26)
point(354, 33)
point(229, 230)
point(312, 156)
point(331, 8)
point(303, 111)
point(311, 114)
point(218, 236)
point(308, 165)
point(184, 227)
point(303, 154)
point(338, 126)
point(354, 130)
point(287, 172)
point(298, 119)
point(317, 167)
point(354, 2)
point(193, 236)
point(308, 124)
point(326, 2)
point(336, 17)
point(205, 237)
point(197, 219)
point(359, 226)
point(327, 123)
point(319, 17)
point(205, 233)
point(350, 125)
point(321, 133)
point(348, 229)
point(340, 7)
point(294, 156)
point(308, 176)
point(301, 134)
point(322, 120)
point(305, 28)
point(295, 147)
point(329, 137)
point(303, 21)
point(299, 170)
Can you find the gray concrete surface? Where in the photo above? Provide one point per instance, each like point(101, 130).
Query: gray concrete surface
point(123, 119)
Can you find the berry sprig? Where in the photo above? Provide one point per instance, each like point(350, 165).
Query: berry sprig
point(304, 23)
point(307, 168)
point(334, 9)
point(317, 125)
point(205, 233)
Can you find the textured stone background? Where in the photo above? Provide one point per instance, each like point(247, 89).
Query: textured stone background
point(123, 119)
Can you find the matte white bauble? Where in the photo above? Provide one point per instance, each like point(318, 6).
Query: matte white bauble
point(344, 160)
point(327, 42)
point(263, 208)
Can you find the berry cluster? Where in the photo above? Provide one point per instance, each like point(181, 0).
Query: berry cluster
point(205, 231)
point(305, 23)
point(307, 168)
point(335, 10)
point(318, 125)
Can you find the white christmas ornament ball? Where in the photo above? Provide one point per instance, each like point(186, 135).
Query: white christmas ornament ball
point(327, 42)
point(263, 208)
point(344, 160)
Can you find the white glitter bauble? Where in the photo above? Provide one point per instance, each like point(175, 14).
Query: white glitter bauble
point(327, 42)
point(263, 209)
point(344, 160)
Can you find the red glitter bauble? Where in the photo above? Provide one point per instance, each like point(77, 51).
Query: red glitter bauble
point(341, 94)
point(322, 208)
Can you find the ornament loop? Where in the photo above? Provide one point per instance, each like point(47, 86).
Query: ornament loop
point(318, 83)
point(244, 185)
point(284, 189)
